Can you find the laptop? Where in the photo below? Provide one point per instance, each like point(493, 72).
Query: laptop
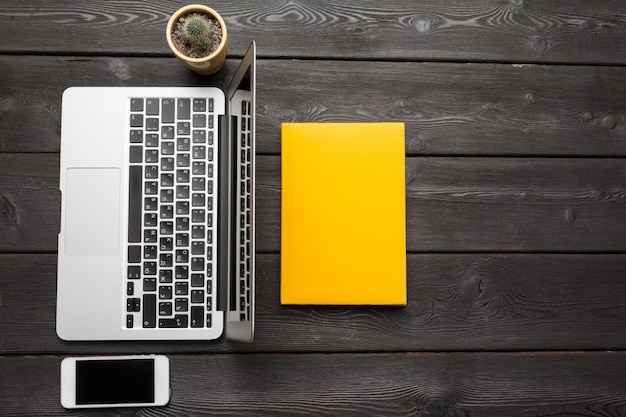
point(157, 238)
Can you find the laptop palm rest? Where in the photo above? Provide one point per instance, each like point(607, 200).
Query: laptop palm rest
point(92, 198)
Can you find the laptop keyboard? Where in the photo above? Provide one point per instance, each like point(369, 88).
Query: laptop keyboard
point(172, 213)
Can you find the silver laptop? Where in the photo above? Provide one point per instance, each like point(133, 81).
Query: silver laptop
point(157, 237)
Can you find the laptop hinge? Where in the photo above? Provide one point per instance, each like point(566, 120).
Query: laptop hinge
point(224, 214)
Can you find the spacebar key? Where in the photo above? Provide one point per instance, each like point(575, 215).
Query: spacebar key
point(149, 310)
point(134, 203)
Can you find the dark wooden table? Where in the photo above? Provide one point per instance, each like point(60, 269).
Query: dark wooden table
point(515, 115)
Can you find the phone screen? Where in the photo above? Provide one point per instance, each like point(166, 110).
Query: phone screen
point(126, 381)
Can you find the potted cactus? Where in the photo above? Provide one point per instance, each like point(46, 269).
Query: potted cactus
point(197, 36)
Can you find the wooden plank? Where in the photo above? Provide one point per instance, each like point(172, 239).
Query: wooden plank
point(516, 204)
point(30, 209)
point(478, 30)
point(456, 302)
point(448, 109)
point(404, 384)
point(454, 109)
point(493, 204)
point(453, 204)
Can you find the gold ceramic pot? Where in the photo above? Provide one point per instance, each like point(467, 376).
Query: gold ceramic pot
point(209, 64)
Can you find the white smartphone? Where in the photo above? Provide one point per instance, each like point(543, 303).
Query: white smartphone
point(115, 381)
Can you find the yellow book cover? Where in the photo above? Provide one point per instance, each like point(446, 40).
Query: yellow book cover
point(343, 234)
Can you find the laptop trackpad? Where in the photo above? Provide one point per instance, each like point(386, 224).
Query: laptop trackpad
point(92, 213)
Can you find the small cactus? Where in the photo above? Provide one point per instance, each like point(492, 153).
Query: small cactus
point(198, 32)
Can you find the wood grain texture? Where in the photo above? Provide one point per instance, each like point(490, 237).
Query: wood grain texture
point(453, 204)
point(515, 181)
point(492, 204)
point(29, 202)
point(448, 109)
point(454, 109)
point(456, 302)
point(417, 385)
point(516, 204)
point(478, 30)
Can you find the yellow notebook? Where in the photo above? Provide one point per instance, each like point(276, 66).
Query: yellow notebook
point(343, 235)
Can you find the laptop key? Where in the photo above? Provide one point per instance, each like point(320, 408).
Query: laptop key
point(151, 236)
point(165, 292)
point(183, 128)
point(151, 187)
point(165, 276)
point(165, 309)
point(149, 252)
point(182, 257)
point(199, 136)
point(181, 288)
point(197, 280)
point(135, 203)
point(149, 284)
point(198, 215)
point(181, 272)
point(182, 175)
point(197, 248)
point(197, 296)
point(198, 168)
point(133, 304)
point(197, 316)
point(167, 227)
point(182, 160)
point(136, 104)
point(181, 304)
point(168, 109)
point(152, 124)
point(167, 180)
point(183, 106)
point(166, 243)
point(150, 203)
point(136, 136)
point(152, 106)
point(199, 120)
point(136, 120)
point(134, 254)
point(197, 264)
point(150, 220)
point(182, 192)
point(152, 156)
point(149, 310)
point(179, 321)
point(152, 140)
point(199, 105)
point(166, 260)
point(152, 172)
point(134, 272)
point(199, 152)
point(167, 132)
point(182, 240)
point(167, 148)
point(149, 268)
point(197, 200)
